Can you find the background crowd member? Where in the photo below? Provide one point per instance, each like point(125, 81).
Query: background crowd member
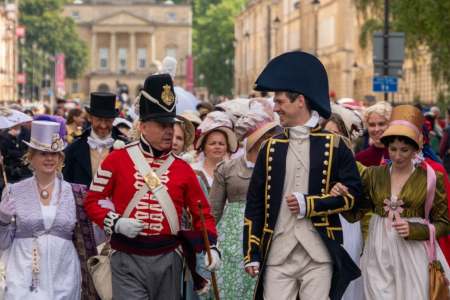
point(204, 108)
point(37, 221)
point(228, 198)
point(183, 136)
point(444, 146)
point(123, 125)
point(376, 118)
point(216, 142)
point(85, 154)
point(394, 264)
point(74, 124)
point(12, 147)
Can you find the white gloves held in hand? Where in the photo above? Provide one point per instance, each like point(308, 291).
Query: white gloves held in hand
point(128, 227)
point(216, 261)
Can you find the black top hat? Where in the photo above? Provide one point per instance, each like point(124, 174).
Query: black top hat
point(298, 72)
point(157, 99)
point(103, 105)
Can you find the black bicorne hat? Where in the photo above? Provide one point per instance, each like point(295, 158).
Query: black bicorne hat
point(157, 99)
point(103, 105)
point(297, 72)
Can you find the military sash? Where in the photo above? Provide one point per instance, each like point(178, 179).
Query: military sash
point(153, 184)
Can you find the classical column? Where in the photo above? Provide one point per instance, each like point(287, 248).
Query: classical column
point(132, 63)
point(94, 51)
point(112, 52)
point(153, 47)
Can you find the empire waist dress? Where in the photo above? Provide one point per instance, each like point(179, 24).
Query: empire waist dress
point(393, 267)
point(48, 229)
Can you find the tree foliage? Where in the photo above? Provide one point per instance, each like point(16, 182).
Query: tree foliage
point(48, 32)
point(213, 47)
point(425, 23)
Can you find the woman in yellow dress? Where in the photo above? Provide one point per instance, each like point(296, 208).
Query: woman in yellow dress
point(394, 264)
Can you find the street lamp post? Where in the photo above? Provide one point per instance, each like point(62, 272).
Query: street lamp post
point(386, 43)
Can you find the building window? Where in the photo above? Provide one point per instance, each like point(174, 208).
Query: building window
point(75, 15)
point(75, 87)
point(142, 58)
point(122, 60)
point(171, 17)
point(171, 51)
point(103, 55)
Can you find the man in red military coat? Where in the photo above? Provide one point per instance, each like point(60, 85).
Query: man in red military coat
point(149, 187)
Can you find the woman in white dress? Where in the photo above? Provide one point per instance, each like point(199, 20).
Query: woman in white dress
point(37, 221)
point(394, 264)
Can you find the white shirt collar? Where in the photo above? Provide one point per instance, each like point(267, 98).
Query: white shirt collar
point(96, 137)
point(313, 121)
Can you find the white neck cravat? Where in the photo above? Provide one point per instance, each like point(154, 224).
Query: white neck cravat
point(301, 132)
point(96, 143)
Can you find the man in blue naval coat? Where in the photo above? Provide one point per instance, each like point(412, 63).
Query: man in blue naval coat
point(292, 232)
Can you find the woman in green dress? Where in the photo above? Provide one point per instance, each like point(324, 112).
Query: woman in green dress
point(228, 197)
point(394, 264)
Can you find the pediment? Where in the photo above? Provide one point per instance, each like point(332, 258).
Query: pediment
point(122, 18)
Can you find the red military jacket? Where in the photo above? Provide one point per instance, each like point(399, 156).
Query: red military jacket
point(118, 179)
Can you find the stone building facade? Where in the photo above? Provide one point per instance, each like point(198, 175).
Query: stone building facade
point(330, 29)
point(8, 53)
point(127, 40)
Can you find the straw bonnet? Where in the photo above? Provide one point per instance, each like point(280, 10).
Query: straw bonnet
point(188, 129)
point(217, 121)
point(407, 121)
point(45, 137)
point(257, 122)
point(192, 116)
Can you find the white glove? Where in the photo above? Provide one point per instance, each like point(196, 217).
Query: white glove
point(128, 227)
point(204, 290)
point(215, 260)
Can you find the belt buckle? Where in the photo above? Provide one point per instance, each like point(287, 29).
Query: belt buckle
point(152, 180)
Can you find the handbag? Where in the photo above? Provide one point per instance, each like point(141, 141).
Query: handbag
point(99, 267)
point(437, 282)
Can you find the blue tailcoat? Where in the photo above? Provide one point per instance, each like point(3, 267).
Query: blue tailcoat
point(330, 162)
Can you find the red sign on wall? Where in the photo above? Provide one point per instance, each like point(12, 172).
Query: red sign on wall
point(60, 75)
point(189, 74)
point(20, 31)
point(21, 78)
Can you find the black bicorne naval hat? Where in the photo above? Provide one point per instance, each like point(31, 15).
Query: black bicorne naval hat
point(157, 99)
point(298, 72)
point(103, 105)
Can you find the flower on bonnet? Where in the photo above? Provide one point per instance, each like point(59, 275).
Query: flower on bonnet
point(260, 113)
point(215, 119)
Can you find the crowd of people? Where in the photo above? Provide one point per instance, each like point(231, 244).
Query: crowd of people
point(287, 195)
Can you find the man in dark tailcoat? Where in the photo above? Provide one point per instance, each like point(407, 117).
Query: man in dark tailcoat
point(83, 157)
point(292, 231)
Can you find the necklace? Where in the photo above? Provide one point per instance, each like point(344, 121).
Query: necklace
point(43, 191)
